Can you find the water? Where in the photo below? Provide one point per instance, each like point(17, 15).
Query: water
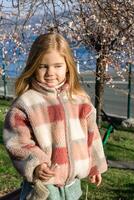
point(13, 56)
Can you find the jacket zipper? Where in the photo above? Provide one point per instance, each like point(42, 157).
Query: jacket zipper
point(68, 140)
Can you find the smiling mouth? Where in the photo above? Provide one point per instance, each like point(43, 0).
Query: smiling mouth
point(50, 80)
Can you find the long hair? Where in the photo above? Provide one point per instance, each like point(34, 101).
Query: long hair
point(42, 45)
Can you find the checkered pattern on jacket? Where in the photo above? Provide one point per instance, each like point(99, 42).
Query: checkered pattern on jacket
point(49, 127)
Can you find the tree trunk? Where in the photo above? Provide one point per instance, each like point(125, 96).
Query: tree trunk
point(99, 87)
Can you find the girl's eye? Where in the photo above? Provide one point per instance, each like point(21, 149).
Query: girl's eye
point(43, 66)
point(58, 66)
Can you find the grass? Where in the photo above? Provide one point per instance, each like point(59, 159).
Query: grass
point(9, 178)
point(3, 108)
point(117, 184)
point(120, 146)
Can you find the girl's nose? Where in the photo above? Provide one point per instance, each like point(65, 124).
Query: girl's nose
point(50, 70)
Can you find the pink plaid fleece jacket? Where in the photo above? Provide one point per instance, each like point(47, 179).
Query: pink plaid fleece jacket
point(44, 125)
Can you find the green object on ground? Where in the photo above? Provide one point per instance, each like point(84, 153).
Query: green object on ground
point(107, 134)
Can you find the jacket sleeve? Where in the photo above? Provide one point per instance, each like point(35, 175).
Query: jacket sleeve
point(95, 147)
point(21, 144)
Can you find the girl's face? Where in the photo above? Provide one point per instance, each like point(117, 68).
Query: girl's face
point(52, 70)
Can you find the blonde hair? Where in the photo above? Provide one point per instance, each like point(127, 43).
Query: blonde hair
point(42, 45)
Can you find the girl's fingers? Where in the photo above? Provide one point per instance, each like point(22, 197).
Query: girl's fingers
point(48, 171)
point(96, 179)
point(92, 179)
point(45, 177)
point(44, 172)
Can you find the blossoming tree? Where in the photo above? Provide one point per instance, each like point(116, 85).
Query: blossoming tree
point(105, 26)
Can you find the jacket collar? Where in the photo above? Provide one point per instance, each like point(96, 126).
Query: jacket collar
point(42, 88)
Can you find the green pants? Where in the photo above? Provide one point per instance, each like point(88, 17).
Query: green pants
point(69, 192)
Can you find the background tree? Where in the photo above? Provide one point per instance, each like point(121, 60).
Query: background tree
point(107, 27)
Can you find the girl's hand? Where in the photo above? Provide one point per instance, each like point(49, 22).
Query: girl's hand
point(96, 179)
point(43, 172)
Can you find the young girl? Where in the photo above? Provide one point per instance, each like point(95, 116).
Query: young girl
point(50, 130)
